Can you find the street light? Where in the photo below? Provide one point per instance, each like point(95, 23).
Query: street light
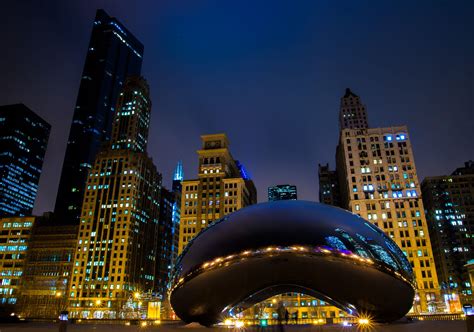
point(58, 296)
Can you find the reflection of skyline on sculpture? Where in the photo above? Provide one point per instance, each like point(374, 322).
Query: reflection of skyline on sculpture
point(313, 240)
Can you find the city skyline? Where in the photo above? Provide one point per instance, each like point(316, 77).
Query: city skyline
point(184, 108)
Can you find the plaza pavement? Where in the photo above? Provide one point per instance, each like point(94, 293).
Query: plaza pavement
point(419, 326)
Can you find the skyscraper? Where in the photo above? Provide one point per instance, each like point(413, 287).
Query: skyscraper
point(328, 186)
point(113, 54)
point(378, 181)
point(23, 141)
point(115, 260)
point(449, 204)
point(168, 234)
point(223, 186)
point(282, 192)
point(352, 113)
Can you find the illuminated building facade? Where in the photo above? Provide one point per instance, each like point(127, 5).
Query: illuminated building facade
point(48, 266)
point(113, 55)
point(15, 233)
point(449, 202)
point(328, 186)
point(282, 192)
point(378, 181)
point(23, 141)
point(223, 186)
point(114, 263)
point(352, 114)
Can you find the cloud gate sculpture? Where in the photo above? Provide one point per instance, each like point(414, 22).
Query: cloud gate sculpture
point(291, 246)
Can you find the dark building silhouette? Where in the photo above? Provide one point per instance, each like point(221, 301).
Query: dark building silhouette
point(449, 204)
point(328, 186)
point(113, 54)
point(282, 192)
point(352, 114)
point(23, 141)
point(168, 233)
point(119, 218)
point(47, 269)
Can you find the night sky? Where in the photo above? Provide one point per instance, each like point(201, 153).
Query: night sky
point(268, 73)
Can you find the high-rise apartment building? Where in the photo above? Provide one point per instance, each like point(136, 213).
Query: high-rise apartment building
point(352, 113)
point(15, 233)
point(222, 187)
point(115, 259)
point(378, 181)
point(449, 204)
point(282, 192)
point(23, 141)
point(328, 186)
point(113, 55)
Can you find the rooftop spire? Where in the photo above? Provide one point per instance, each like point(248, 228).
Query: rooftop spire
point(178, 172)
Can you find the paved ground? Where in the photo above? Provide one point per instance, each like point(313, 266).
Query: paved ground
point(428, 326)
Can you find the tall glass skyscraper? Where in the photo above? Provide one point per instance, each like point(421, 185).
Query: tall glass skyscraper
point(282, 192)
point(23, 140)
point(113, 54)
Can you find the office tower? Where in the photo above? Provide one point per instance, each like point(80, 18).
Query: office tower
point(352, 113)
point(47, 269)
point(23, 140)
point(15, 235)
point(114, 264)
point(378, 181)
point(449, 204)
point(328, 186)
point(223, 186)
point(282, 192)
point(113, 55)
point(168, 234)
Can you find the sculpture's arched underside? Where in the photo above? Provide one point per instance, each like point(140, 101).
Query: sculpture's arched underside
point(291, 246)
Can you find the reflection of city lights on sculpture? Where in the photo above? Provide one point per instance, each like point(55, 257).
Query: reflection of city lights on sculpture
point(309, 244)
point(364, 321)
point(239, 324)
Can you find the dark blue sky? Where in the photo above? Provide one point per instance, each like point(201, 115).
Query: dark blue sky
point(268, 73)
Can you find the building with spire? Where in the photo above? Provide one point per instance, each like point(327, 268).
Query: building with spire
point(168, 234)
point(178, 174)
point(222, 187)
point(113, 54)
point(352, 113)
point(115, 259)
